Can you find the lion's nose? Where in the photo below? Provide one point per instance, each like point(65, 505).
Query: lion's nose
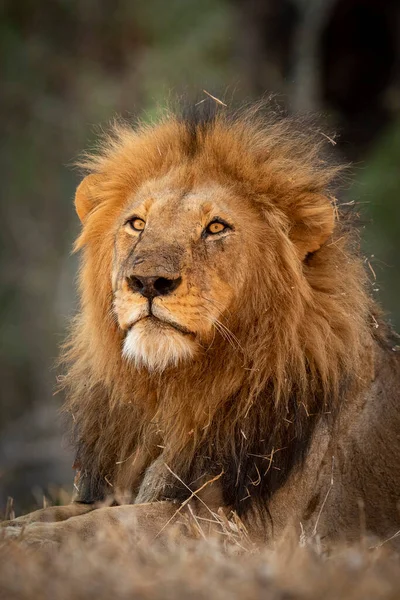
point(150, 287)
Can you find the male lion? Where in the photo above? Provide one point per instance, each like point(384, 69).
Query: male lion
point(227, 355)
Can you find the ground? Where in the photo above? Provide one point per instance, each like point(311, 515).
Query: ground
point(115, 565)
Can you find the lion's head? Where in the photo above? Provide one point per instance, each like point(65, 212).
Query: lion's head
point(198, 237)
point(222, 300)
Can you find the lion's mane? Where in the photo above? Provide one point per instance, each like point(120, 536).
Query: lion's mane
point(302, 337)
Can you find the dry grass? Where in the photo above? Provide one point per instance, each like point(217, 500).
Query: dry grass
point(115, 565)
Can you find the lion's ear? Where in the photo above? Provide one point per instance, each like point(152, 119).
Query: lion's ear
point(85, 196)
point(314, 223)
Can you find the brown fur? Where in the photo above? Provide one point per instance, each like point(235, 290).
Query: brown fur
point(292, 346)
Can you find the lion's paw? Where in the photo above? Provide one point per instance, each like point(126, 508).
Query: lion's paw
point(13, 524)
point(26, 536)
point(10, 531)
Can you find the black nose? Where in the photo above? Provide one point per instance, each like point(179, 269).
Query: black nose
point(150, 287)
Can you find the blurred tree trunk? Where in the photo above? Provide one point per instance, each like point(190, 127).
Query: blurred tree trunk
point(335, 56)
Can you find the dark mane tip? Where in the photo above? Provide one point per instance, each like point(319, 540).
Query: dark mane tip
point(198, 117)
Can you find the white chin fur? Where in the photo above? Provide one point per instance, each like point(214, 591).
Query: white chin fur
point(157, 347)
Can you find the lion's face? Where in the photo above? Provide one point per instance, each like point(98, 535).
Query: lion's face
point(179, 265)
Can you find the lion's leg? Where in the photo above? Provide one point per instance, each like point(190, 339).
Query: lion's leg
point(50, 514)
point(147, 521)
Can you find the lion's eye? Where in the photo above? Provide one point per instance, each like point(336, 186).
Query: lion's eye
point(216, 227)
point(136, 224)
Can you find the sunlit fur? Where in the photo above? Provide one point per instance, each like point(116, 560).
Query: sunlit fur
point(290, 328)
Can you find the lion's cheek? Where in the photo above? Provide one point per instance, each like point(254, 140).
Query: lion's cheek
point(128, 309)
point(194, 311)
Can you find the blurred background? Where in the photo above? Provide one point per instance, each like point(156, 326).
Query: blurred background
point(68, 66)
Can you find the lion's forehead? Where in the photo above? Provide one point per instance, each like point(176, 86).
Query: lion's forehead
point(164, 200)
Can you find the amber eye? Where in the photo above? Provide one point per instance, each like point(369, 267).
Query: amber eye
point(136, 223)
point(216, 227)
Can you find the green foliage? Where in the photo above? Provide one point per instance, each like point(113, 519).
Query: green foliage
point(377, 188)
point(189, 47)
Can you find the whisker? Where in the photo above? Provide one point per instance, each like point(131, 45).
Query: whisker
point(230, 333)
point(225, 333)
point(217, 303)
point(220, 330)
point(113, 315)
point(212, 341)
point(224, 330)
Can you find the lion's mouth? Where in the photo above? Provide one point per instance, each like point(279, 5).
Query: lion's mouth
point(163, 324)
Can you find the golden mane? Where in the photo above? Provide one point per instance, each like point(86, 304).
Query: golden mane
point(298, 342)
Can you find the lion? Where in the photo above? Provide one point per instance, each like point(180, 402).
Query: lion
point(228, 357)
